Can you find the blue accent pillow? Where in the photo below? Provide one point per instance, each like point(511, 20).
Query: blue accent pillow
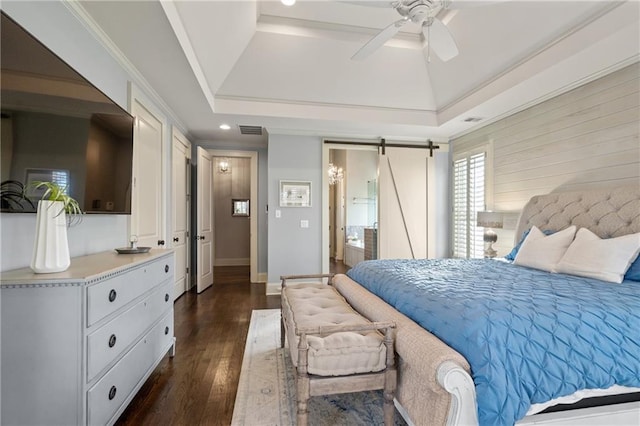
point(512, 254)
point(633, 273)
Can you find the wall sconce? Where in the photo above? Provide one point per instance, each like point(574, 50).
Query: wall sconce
point(335, 174)
point(224, 166)
point(490, 220)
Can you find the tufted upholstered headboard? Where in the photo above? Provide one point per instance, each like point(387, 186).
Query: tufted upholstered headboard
point(606, 212)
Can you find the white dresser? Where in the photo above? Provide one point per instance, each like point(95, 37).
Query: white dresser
point(77, 345)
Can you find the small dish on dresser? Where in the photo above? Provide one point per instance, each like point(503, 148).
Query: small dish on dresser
point(132, 250)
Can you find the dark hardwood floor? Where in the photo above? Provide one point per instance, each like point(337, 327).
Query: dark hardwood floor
point(337, 266)
point(198, 386)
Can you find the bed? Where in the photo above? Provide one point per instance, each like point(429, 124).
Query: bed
point(553, 338)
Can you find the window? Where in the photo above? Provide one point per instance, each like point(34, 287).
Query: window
point(468, 200)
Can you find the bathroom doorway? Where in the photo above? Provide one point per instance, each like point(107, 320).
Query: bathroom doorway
point(352, 206)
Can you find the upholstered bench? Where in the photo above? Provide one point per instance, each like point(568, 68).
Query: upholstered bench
point(333, 348)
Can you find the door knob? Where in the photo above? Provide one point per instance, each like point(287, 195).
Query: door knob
point(176, 239)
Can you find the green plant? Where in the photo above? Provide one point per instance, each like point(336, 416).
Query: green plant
point(55, 192)
point(12, 195)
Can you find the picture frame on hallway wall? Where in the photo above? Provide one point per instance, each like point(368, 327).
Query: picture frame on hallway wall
point(240, 207)
point(295, 193)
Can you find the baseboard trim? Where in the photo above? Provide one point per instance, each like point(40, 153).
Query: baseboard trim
point(273, 289)
point(241, 261)
point(262, 277)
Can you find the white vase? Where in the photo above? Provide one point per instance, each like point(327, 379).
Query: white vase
point(51, 248)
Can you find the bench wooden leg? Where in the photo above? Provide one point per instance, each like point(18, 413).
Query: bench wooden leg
point(282, 330)
point(389, 392)
point(390, 378)
point(302, 383)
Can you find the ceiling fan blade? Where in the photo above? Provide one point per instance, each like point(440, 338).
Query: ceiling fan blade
point(381, 38)
point(373, 3)
point(467, 4)
point(440, 40)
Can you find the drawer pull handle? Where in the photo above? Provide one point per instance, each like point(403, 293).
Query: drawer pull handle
point(166, 297)
point(112, 392)
point(112, 340)
point(166, 268)
point(112, 295)
point(166, 330)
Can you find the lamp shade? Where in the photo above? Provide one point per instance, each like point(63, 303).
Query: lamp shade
point(490, 220)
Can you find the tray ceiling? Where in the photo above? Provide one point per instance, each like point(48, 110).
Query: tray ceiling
point(289, 68)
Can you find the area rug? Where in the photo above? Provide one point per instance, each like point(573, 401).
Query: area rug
point(266, 392)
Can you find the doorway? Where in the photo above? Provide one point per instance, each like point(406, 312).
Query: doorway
point(234, 191)
point(352, 206)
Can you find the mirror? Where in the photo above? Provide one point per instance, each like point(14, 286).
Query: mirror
point(240, 207)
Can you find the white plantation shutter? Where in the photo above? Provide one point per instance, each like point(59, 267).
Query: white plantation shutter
point(468, 200)
point(460, 210)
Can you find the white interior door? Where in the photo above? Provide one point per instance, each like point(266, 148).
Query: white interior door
point(404, 208)
point(205, 221)
point(147, 213)
point(180, 189)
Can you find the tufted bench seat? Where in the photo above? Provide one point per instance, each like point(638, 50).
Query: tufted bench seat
point(333, 348)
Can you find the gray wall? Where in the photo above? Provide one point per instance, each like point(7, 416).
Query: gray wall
point(55, 26)
point(292, 249)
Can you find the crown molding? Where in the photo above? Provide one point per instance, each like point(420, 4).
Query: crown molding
point(81, 14)
point(564, 89)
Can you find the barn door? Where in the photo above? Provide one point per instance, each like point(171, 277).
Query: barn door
point(406, 195)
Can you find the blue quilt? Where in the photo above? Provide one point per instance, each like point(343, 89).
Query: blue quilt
point(529, 336)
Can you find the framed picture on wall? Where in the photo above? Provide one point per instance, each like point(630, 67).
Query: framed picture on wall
point(240, 207)
point(295, 193)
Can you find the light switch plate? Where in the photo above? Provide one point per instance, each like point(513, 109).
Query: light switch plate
point(304, 224)
point(278, 213)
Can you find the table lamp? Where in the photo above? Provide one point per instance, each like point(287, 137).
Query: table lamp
point(490, 221)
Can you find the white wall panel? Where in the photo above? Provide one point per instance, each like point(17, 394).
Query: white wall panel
point(585, 138)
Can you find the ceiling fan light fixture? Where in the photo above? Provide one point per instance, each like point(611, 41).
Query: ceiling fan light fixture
point(288, 2)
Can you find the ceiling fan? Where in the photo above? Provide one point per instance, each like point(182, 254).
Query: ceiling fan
point(421, 12)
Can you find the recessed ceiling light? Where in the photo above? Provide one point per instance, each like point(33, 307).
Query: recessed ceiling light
point(288, 2)
point(225, 126)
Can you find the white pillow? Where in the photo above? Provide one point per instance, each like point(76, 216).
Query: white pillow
point(543, 252)
point(607, 260)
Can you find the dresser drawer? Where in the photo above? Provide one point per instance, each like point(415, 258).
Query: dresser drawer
point(109, 341)
point(113, 389)
point(110, 295)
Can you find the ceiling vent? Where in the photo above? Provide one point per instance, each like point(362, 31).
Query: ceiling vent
point(250, 130)
point(472, 119)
